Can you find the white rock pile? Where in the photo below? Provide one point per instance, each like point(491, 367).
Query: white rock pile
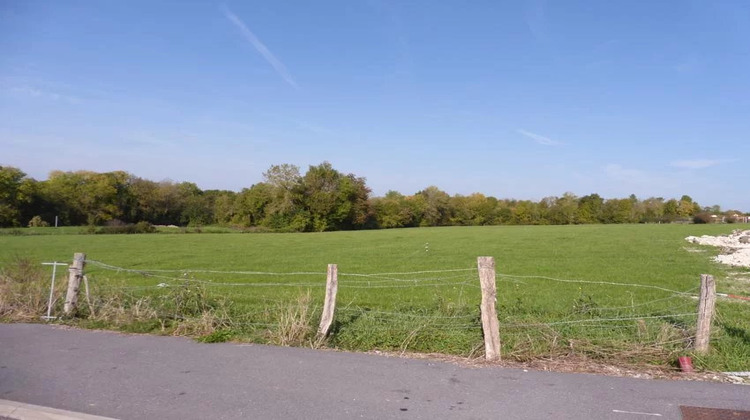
point(735, 247)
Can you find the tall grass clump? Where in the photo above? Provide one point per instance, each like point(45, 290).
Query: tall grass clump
point(24, 290)
point(184, 310)
point(295, 322)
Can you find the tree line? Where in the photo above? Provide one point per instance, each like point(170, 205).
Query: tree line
point(321, 199)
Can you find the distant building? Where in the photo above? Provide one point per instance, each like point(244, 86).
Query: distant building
point(738, 218)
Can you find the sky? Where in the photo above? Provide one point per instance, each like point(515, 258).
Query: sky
point(521, 99)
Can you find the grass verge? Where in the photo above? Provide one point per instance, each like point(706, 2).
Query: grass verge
point(392, 299)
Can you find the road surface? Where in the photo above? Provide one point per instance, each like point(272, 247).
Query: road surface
point(150, 377)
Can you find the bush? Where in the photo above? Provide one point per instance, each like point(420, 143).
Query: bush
point(37, 221)
point(140, 227)
point(703, 218)
point(144, 227)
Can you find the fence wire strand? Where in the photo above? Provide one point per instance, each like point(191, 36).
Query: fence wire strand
point(607, 283)
point(461, 277)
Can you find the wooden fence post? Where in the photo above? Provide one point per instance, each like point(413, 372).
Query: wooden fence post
point(490, 326)
point(706, 305)
point(332, 284)
point(75, 272)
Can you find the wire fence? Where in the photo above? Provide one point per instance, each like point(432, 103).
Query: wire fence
point(432, 310)
point(428, 299)
point(423, 310)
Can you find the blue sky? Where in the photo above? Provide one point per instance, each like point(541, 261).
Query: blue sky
point(513, 99)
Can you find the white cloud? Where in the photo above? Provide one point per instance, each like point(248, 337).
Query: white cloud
point(619, 180)
point(696, 163)
point(277, 65)
point(30, 91)
point(536, 20)
point(618, 172)
point(546, 141)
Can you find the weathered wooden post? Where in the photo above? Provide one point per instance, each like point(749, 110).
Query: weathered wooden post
point(706, 307)
point(490, 326)
point(75, 272)
point(329, 305)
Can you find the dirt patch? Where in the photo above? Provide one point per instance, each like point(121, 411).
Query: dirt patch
point(577, 364)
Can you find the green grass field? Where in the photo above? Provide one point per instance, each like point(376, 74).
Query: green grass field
point(438, 311)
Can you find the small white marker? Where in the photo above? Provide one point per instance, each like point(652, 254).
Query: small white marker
point(636, 412)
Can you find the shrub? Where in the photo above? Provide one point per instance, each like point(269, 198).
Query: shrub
point(140, 227)
point(37, 221)
point(144, 227)
point(702, 218)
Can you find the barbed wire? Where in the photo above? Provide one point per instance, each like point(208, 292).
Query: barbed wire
point(379, 280)
point(405, 286)
point(179, 281)
point(188, 271)
point(410, 273)
point(597, 320)
point(608, 283)
point(685, 294)
point(372, 278)
point(395, 280)
point(366, 311)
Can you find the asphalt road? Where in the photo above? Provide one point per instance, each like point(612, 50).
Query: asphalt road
point(149, 377)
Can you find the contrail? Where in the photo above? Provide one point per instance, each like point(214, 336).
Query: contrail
point(262, 49)
point(538, 138)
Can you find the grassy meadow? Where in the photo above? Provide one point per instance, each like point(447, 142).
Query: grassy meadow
point(417, 289)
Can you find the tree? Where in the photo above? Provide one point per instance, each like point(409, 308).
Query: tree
point(34, 202)
point(12, 197)
point(222, 205)
point(459, 212)
point(525, 212)
point(168, 203)
point(686, 207)
point(88, 197)
point(651, 210)
point(671, 209)
point(323, 199)
point(435, 209)
point(503, 212)
point(145, 200)
point(564, 210)
point(394, 210)
point(481, 209)
point(715, 209)
point(196, 208)
point(589, 209)
point(335, 201)
point(251, 203)
point(285, 211)
point(617, 211)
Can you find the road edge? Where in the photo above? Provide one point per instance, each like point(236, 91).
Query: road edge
point(22, 411)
